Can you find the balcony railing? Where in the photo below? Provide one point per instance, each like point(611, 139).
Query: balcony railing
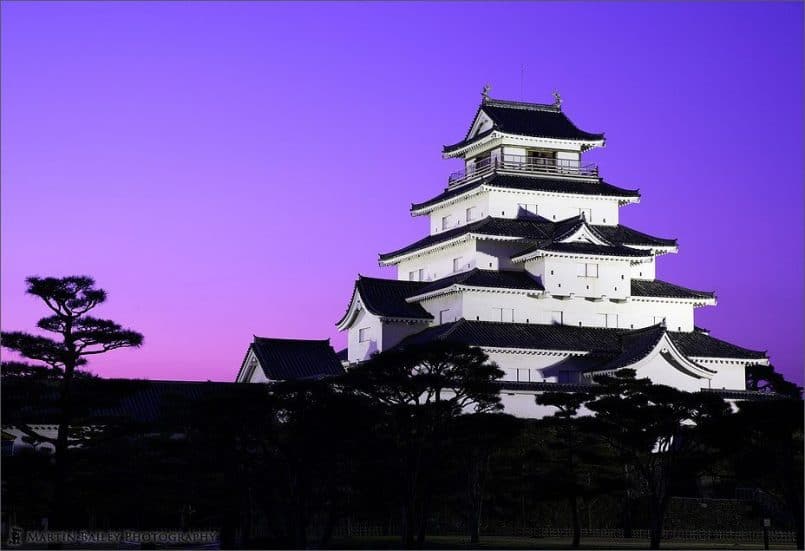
point(528, 165)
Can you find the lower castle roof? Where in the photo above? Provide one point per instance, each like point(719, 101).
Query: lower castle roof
point(606, 343)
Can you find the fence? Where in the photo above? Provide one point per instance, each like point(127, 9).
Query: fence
point(355, 529)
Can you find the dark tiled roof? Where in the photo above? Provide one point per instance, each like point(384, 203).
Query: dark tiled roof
point(520, 335)
point(704, 346)
point(529, 119)
point(504, 227)
point(343, 354)
point(34, 401)
point(386, 297)
point(292, 359)
point(601, 341)
point(533, 229)
point(504, 279)
point(627, 236)
point(533, 183)
point(591, 249)
point(658, 288)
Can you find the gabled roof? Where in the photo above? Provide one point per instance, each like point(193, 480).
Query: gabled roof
point(532, 183)
point(386, 297)
point(527, 119)
point(291, 359)
point(532, 229)
point(604, 343)
point(503, 279)
point(658, 288)
point(701, 345)
point(590, 249)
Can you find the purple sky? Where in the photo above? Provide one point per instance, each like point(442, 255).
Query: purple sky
point(226, 170)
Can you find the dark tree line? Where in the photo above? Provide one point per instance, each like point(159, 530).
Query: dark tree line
point(414, 439)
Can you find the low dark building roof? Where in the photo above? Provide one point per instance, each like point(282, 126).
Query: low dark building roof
point(658, 288)
point(533, 183)
point(503, 279)
point(386, 297)
point(607, 343)
point(533, 229)
point(292, 359)
point(343, 354)
point(528, 119)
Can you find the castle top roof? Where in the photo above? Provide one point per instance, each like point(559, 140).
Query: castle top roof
point(526, 119)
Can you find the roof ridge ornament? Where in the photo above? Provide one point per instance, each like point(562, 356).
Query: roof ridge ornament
point(557, 100)
point(485, 93)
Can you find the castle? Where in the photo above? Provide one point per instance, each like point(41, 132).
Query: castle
point(527, 260)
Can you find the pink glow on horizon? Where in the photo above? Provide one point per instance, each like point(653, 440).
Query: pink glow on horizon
point(225, 170)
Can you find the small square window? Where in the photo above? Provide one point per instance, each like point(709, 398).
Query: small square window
point(364, 334)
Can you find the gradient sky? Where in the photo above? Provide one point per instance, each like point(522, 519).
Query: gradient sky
point(225, 170)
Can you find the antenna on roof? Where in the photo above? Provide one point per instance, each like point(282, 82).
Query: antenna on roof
point(522, 77)
point(485, 93)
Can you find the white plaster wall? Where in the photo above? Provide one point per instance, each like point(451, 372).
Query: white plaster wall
point(560, 276)
point(730, 375)
point(645, 270)
point(660, 372)
point(534, 367)
point(453, 303)
point(359, 351)
point(481, 253)
point(458, 212)
point(504, 204)
point(481, 306)
point(439, 264)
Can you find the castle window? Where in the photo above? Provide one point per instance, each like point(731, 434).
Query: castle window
point(446, 222)
point(587, 270)
point(457, 263)
point(364, 334)
point(504, 314)
point(588, 214)
point(472, 214)
point(444, 316)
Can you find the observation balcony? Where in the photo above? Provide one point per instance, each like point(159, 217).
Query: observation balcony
point(518, 164)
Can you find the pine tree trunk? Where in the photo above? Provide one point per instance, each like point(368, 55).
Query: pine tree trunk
point(574, 511)
point(60, 508)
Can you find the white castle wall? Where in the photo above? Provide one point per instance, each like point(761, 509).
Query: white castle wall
point(561, 276)
point(487, 306)
point(505, 203)
point(484, 254)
